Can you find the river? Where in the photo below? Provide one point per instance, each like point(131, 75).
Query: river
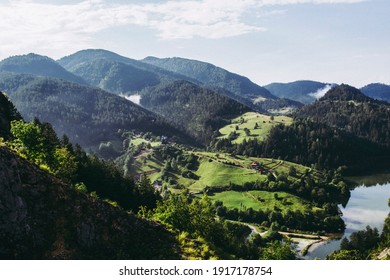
point(366, 206)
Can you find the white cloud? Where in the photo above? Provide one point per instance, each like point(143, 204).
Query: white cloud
point(57, 28)
point(321, 92)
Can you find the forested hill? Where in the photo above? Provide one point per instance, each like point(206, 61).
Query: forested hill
point(37, 65)
point(115, 73)
point(197, 110)
point(212, 76)
point(87, 115)
point(377, 91)
point(348, 109)
point(301, 91)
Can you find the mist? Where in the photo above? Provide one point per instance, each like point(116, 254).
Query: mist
point(321, 92)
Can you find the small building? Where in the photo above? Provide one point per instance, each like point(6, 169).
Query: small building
point(255, 165)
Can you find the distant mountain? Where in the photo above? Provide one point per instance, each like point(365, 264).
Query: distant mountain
point(37, 65)
point(211, 76)
point(347, 108)
point(87, 115)
point(302, 91)
point(197, 110)
point(377, 91)
point(115, 73)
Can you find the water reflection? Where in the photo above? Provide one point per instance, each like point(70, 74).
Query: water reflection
point(366, 206)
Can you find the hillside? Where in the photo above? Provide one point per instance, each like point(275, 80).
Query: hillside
point(116, 73)
point(377, 91)
point(350, 110)
point(211, 76)
point(115, 77)
point(301, 91)
point(37, 65)
point(251, 125)
point(43, 218)
point(197, 110)
point(87, 115)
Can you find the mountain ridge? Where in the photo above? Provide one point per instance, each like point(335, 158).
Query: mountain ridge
point(37, 65)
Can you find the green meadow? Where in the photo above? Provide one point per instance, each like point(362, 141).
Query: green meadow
point(257, 124)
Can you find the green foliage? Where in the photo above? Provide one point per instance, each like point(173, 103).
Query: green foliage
point(81, 187)
point(359, 245)
point(28, 136)
point(65, 164)
point(277, 250)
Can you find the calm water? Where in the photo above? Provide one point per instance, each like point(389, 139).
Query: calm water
point(366, 206)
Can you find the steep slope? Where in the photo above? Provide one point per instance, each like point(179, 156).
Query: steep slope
point(199, 111)
point(115, 73)
point(211, 76)
point(43, 218)
point(348, 109)
point(37, 65)
point(377, 91)
point(87, 115)
point(301, 91)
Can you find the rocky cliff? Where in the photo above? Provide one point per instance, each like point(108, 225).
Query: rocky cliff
point(43, 218)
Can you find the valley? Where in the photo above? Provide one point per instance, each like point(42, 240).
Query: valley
point(222, 167)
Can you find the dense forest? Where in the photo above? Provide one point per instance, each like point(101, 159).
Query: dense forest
point(115, 73)
point(199, 111)
point(87, 115)
point(346, 108)
point(344, 128)
point(211, 76)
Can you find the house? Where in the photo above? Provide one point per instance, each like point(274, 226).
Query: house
point(255, 165)
point(258, 167)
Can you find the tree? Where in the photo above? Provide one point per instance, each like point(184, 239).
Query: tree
point(65, 165)
point(29, 137)
point(292, 171)
point(277, 250)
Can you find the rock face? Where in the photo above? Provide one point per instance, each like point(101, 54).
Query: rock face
point(43, 218)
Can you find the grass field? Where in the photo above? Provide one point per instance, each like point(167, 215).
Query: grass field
point(259, 126)
point(261, 200)
point(216, 170)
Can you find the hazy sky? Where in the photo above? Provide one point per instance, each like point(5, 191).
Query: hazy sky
point(267, 40)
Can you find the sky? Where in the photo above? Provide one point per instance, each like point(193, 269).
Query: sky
point(333, 41)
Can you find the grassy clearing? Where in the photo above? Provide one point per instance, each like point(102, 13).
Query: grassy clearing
point(213, 173)
point(258, 125)
point(136, 141)
point(262, 200)
point(217, 170)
